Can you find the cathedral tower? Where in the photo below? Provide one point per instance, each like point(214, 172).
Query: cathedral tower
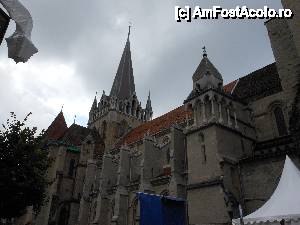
point(220, 136)
point(121, 110)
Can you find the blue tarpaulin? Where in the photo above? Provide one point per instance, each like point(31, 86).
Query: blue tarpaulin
point(161, 210)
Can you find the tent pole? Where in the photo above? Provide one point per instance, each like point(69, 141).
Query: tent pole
point(241, 215)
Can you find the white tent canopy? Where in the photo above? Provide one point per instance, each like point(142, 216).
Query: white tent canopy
point(283, 204)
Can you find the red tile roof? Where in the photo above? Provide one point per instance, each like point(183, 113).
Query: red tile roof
point(159, 124)
point(163, 122)
point(75, 135)
point(229, 87)
point(57, 128)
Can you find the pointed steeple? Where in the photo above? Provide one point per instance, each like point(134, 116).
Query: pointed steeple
point(57, 128)
point(148, 105)
point(94, 106)
point(123, 86)
point(206, 74)
point(93, 110)
point(148, 109)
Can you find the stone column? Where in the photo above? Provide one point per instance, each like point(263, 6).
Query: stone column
point(228, 117)
point(103, 200)
point(235, 121)
point(177, 183)
point(195, 115)
point(213, 114)
point(220, 113)
point(85, 199)
point(146, 166)
point(121, 196)
point(204, 113)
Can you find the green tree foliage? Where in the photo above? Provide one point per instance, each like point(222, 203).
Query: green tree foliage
point(23, 167)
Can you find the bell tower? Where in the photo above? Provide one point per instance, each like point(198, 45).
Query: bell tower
point(115, 114)
point(220, 135)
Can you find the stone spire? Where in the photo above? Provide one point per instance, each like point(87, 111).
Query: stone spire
point(123, 86)
point(206, 75)
point(122, 98)
point(148, 105)
point(148, 109)
point(94, 106)
point(93, 110)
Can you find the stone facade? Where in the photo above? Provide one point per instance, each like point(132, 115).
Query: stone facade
point(223, 148)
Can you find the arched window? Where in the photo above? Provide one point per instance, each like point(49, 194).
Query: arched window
point(128, 108)
point(71, 167)
point(168, 155)
point(202, 148)
point(133, 105)
point(121, 106)
point(280, 121)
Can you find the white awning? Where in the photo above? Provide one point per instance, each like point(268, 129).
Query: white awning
point(285, 201)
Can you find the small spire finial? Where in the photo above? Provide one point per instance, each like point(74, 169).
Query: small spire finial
point(62, 107)
point(130, 24)
point(204, 52)
point(74, 119)
point(149, 95)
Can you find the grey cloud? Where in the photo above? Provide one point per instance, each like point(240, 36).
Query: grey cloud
point(91, 36)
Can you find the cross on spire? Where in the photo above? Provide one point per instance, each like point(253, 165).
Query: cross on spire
point(204, 52)
point(130, 24)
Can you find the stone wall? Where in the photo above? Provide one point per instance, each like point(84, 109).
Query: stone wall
point(260, 178)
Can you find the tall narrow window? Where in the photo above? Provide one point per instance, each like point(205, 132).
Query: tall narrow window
point(168, 155)
point(71, 167)
point(243, 145)
point(280, 122)
point(202, 146)
point(203, 154)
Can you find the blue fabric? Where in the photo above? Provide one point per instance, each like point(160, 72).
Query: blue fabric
point(150, 209)
point(160, 210)
point(173, 211)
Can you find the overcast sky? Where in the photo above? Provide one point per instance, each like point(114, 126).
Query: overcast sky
point(80, 44)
